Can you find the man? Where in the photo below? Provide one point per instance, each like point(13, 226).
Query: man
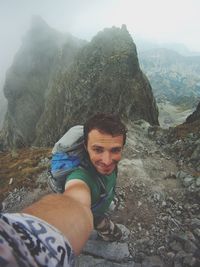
point(104, 138)
point(48, 233)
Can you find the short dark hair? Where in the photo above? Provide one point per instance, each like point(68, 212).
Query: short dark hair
point(105, 123)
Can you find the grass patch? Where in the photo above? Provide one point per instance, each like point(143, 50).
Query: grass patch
point(22, 166)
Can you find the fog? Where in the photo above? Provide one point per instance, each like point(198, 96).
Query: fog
point(159, 21)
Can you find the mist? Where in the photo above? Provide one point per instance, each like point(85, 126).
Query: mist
point(172, 21)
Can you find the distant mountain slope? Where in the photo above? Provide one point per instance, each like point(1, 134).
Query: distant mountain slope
point(144, 45)
point(173, 77)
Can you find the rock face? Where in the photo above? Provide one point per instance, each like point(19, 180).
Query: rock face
point(105, 77)
point(43, 53)
point(194, 116)
point(183, 141)
point(3, 105)
point(56, 82)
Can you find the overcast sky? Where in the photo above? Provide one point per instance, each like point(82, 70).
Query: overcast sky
point(156, 20)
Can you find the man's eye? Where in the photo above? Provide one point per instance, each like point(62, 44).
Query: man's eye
point(116, 150)
point(98, 150)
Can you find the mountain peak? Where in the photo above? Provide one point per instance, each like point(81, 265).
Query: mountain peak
point(38, 22)
point(73, 80)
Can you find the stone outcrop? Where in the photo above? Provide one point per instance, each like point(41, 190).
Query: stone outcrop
point(3, 105)
point(57, 81)
point(105, 77)
point(194, 116)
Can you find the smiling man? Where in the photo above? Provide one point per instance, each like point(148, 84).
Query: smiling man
point(104, 139)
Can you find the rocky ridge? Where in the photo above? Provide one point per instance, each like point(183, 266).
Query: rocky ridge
point(156, 203)
point(182, 141)
point(44, 53)
point(105, 77)
point(195, 116)
point(57, 81)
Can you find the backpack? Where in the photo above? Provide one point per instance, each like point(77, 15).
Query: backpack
point(68, 154)
point(66, 157)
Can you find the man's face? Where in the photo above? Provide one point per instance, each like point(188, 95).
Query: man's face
point(104, 151)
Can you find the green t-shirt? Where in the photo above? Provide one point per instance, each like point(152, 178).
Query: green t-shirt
point(88, 176)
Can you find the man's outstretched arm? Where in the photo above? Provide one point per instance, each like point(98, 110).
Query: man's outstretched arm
point(73, 218)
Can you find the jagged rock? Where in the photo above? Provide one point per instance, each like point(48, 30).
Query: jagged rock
point(194, 116)
point(180, 256)
point(185, 259)
point(105, 77)
point(89, 261)
point(181, 174)
point(56, 82)
point(153, 261)
point(187, 181)
point(125, 232)
point(195, 223)
point(190, 247)
point(189, 260)
point(44, 52)
point(197, 232)
point(177, 264)
point(198, 181)
point(176, 246)
point(110, 251)
point(181, 142)
point(190, 182)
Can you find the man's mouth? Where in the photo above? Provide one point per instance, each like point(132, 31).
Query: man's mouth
point(106, 168)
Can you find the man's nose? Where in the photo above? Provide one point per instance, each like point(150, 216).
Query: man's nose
point(106, 158)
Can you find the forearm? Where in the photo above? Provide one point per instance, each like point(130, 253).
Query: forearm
point(72, 218)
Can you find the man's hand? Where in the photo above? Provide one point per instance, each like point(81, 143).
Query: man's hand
point(78, 190)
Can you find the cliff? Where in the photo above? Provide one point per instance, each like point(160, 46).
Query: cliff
point(57, 81)
point(105, 77)
point(195, 116)
point(44, 53)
